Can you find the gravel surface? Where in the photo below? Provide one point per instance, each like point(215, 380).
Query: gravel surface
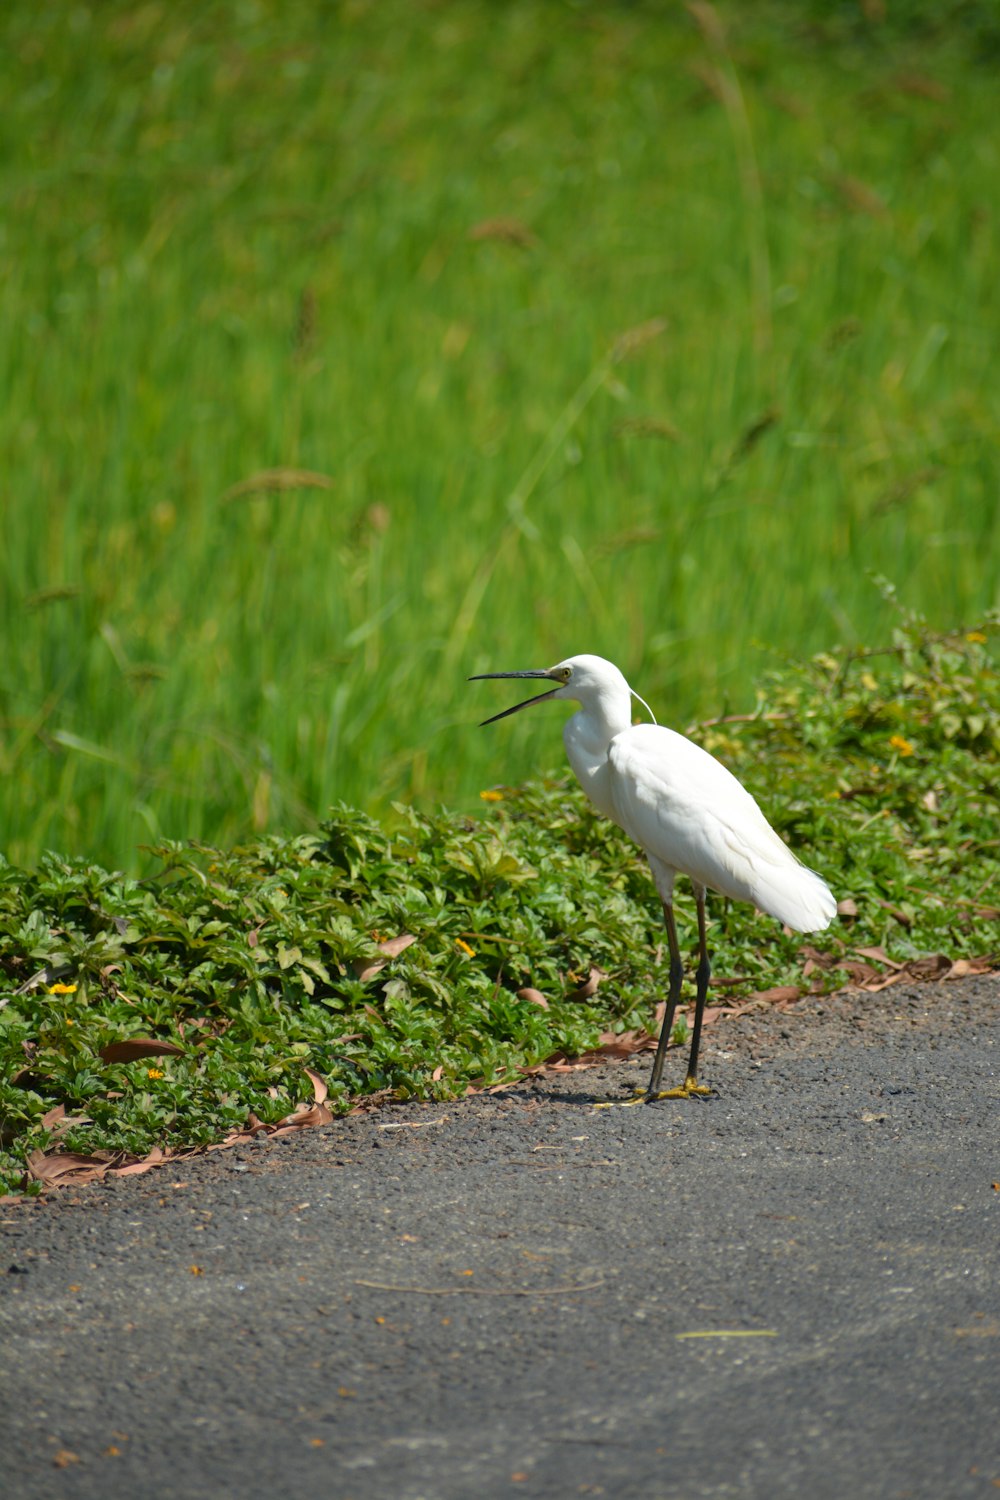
point(788, 1289)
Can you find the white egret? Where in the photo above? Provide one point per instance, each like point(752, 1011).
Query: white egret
point(687, 813)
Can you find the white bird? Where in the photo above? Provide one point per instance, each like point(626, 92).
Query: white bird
point(687, 813)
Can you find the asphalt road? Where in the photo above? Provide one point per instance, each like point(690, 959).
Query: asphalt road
point(789, 1289)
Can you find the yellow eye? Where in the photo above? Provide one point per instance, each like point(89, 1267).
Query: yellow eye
point(565, 673)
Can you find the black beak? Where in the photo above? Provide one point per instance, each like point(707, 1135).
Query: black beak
point(485, 676)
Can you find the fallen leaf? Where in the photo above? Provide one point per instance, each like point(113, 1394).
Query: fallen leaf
point(847, 907)
point(56, 1168)
point(535, 997)
point(589, 986)
point(366, 969)
point(139, 1046)
point(156, 1158)
point(302, 1117)
point(902, 917)
point(320, 1089)
point(929, 966)
point(880, 957)
point(965, 966)
point(64, 1458)
point(715, 1013)
point(779, 994)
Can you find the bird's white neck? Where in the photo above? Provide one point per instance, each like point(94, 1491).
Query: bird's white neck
point(588, 735)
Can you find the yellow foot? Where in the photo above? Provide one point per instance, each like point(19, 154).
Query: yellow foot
point(639, 1098)
point(689, 1089)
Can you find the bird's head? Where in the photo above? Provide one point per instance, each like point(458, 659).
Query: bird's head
point(582, 679)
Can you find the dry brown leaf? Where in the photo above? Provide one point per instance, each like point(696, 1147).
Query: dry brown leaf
point(822, 960)
point(156, 1158)
point(366, 968)
point(877, 983)
point(535, 997)
point(139, 1046)
point(320, 1089)
point(589, 987)
point(847, 907)
point(779, 994)
point(302, 1118)
point(929, 966)
point(860, 974)
point(58, 1121)
point(879, 956)
point(965, 966)
point(902, 917)
point(56, 1168)
point(715, 1013)
point(371, 1102)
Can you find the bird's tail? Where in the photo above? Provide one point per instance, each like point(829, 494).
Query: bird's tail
point(796, 896)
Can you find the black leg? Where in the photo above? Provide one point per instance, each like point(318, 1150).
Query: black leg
point(704, 973)
point(676, 976)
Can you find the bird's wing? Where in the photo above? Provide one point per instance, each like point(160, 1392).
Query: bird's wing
point(683, 807)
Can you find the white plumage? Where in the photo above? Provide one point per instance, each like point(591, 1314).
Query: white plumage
point(693, 817)
point(686, 811)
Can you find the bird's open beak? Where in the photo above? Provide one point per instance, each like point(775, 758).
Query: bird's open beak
point(484, 676)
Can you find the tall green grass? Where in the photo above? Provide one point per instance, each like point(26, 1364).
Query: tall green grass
point(397, 246)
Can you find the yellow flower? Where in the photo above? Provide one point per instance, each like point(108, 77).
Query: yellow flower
point(154, 1072)
point(492, 796)
point(903, 746)
point(976, 636)
point(868, 681)
point(62, 989)
point(469, 952)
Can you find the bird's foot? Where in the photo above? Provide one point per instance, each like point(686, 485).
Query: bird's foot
point(689, 1089)
point(639, 1098)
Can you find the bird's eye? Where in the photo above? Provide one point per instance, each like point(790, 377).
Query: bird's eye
point(565, 673)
